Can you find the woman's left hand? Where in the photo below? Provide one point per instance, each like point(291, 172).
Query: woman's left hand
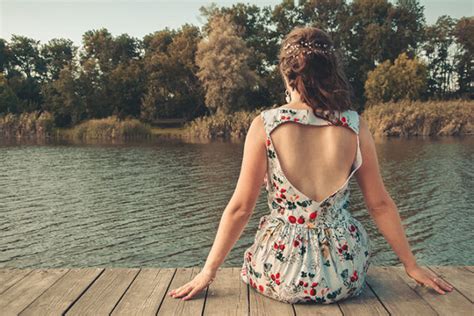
point(427, 278)
point(193, 287)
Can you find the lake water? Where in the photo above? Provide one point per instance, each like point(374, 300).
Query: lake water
point(158, 203)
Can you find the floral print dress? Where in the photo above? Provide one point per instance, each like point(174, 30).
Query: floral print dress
point(305, 250)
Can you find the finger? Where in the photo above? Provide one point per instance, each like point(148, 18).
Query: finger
point(192, 293)
point(443, 284)
point(174, 291)
point(177, 290)
point(183, 292)
point(435, 286)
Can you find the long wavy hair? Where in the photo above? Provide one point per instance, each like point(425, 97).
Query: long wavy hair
point(318, 75)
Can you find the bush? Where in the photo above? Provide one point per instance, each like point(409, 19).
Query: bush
point(404, 79)
point(406, 118)
point(219, 125)
point(33, 124)
point(110, 127)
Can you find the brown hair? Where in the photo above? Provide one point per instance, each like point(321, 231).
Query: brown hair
point(318, 75)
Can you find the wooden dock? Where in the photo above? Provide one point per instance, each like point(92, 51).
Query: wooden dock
point(121, 291)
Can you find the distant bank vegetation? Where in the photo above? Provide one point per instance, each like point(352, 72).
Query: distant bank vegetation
point(403, 118)
point(41, 125)
point(233, 125)
point(411, 118)
point(34, 124)
point(109, 128)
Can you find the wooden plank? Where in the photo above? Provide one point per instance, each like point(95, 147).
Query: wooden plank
point(10, 276)
point(364, 304)
point(227, 295)
point(262, 305)
point(56, 299)
point(176, 306)
point(146, 292)
point(22, 293)
point(452, 303)
point(458, 277)
point(397, 297)
point(101, 297)
point(311, 308)
point(470, 268)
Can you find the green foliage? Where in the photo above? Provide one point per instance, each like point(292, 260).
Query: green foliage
point(8, 100)
point(231, 63)
point(464, 33)
point(172, 89)
point(62, 100)
point(404, 79)
point(224, 72)
point(409, 118)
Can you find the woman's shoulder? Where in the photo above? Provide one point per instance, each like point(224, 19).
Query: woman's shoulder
point(351, 118)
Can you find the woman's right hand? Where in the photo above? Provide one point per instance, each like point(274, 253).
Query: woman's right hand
point(427, 278)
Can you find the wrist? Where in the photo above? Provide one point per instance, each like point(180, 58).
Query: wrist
point(209, 270)
point(410, 265)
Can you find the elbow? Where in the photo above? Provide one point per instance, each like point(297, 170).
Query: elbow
point(381, 206)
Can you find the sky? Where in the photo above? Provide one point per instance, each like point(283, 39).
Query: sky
point(46, 19)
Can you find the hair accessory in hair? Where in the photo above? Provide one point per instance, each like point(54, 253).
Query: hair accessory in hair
point(308, 48)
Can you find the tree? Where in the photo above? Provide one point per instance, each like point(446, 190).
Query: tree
point(57, 53)
point(179, 95)
point(437, 47)
point(405, 78)
point(464, 33)
point(8, 100)
point(62, 100)
point(222, 59)
point(375, 31)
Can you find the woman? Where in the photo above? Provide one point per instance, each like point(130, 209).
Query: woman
point(309, 248)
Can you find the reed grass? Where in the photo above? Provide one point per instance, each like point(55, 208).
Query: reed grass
point(109, 128)
point(412, 118)
point(234, 125)
point(32, 124)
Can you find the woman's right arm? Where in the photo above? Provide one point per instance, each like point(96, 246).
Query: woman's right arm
point(385, 214)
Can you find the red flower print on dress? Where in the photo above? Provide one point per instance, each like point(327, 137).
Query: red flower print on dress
point(313, 215)
point(354, 276)
point(280, 246)
point(268, 142)
point(276, 278)
point(296, 243)
point(344, 121)
point(260, 288)
point(301, 220)
point(292, 219)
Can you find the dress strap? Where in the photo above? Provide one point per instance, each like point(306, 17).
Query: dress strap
point(276, 116)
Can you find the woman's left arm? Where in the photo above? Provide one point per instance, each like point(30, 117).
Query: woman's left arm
point(237, 212)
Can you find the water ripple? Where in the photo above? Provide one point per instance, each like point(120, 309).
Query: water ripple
point(159, 203)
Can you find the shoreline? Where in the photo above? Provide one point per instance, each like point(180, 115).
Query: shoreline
point(403, 119)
